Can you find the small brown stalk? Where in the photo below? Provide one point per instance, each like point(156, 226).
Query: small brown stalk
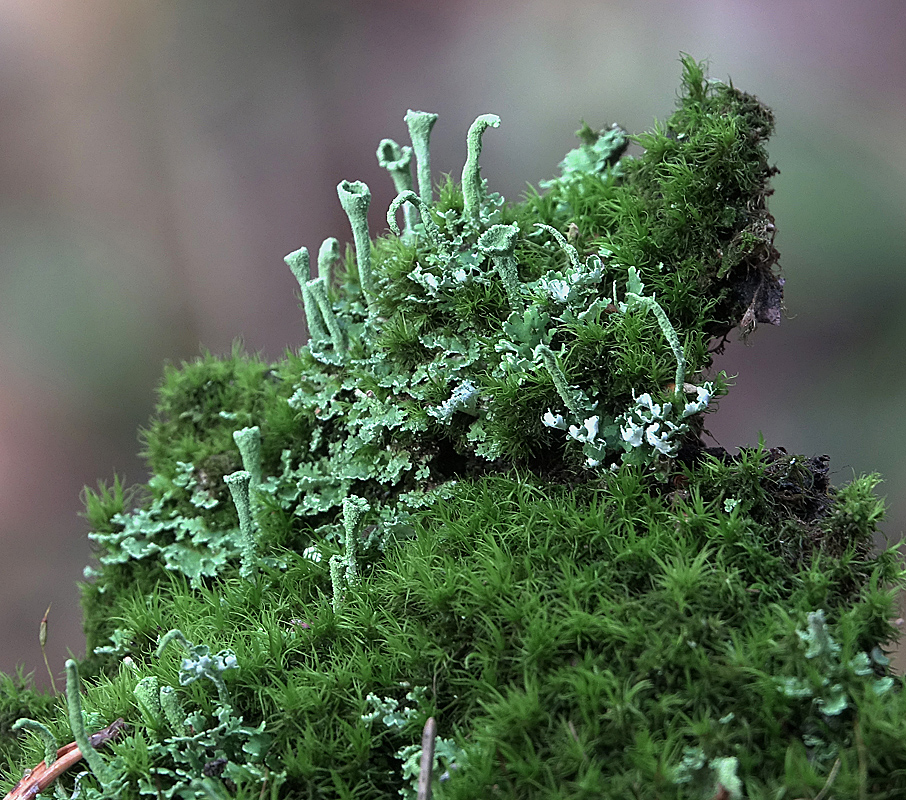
point(42, 640)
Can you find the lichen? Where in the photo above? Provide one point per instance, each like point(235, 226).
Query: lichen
point(483, 476)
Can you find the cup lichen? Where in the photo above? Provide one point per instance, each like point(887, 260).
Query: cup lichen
point(483, 477)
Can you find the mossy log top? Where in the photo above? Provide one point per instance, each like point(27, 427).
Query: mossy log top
point(479, 494)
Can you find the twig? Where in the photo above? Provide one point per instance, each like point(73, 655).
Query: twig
point(427, 762)
point(41, 777)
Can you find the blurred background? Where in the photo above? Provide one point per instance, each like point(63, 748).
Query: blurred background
point(158, 160)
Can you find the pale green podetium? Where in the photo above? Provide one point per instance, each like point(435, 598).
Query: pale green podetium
point(323, 325)
point(337, 570)
point(239, 489)
point(397, 161)
point(47, 738)
point(344, 570)
point(248, 440)
point(158, 703)
point(299, 265)
point(571, 253)
point(549, 359)
point(635, 299)
point(472, 194)
point(355, 197)
point(499, 243)
point(317, 288)
point(77, 722)
point(354, 510)
point(173, 710)
point(410, 198)
point(328, 255)
point(147, 695)
point(420, 124)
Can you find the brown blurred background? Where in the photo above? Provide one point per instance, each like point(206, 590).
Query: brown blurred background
point(158, 160)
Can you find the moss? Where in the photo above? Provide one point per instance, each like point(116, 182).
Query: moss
point(485, 500)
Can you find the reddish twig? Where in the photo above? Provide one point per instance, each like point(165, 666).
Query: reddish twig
point(42, 776)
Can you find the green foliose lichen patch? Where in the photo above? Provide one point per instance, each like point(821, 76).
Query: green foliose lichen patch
point(479, 494)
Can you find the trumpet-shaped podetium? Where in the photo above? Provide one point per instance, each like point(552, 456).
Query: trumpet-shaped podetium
point(420, 124)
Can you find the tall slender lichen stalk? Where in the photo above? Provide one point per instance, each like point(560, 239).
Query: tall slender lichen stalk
point(354, 510)
point(571, 253)
point(549, 359)
point(77, 723)
point(472, 194)
point(635, 298)
point(318, 289)
point(397, 160)
point(410, 198)
point(47, 738)
point(323, 325)
point(337, 580)
point(499, 243)
point(299, 265)
point(239, 489)
point(420, 124)
point(248, 440)
point(355, 197)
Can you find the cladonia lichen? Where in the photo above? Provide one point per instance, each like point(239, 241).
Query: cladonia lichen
point(483, 474)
